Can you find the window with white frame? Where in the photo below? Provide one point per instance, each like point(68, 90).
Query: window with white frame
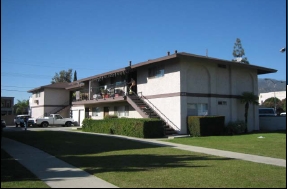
point(155, 72)
point(200, 109)
point(37, 94)
point(95, 111)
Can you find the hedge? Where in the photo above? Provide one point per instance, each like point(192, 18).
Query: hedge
point(142, 128)
point(206, 125)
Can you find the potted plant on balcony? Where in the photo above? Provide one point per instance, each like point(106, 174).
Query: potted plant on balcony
point(104, 93)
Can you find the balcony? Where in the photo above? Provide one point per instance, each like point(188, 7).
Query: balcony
point(106, 93)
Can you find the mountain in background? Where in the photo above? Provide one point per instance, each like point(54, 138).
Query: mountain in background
point(268, 86)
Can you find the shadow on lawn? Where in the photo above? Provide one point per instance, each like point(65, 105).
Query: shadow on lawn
point(91, 152)
point(137, 162)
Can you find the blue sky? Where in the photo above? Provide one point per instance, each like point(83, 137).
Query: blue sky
point(42, 37)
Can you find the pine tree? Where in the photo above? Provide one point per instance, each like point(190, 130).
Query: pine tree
point(75, 76)
point(238, 52)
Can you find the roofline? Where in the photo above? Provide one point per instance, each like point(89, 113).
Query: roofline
point(47, 86)
point(260, 70)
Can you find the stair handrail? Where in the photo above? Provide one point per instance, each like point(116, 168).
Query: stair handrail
point(161, 115)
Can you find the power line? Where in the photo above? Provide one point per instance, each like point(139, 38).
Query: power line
point(17, 86)
point(13, 90)
point(79, 68)
point(23, 74)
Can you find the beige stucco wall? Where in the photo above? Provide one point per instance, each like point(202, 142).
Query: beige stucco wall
point(120, 105)
point(197, 77)
point(56, 96)
point(153, 86)
point(49, 100)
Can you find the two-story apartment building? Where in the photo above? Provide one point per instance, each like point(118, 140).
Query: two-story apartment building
point(174, 87)
point(49, 99)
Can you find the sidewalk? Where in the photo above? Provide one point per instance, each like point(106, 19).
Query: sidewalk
point(210, 151)
point(58, 174)
point(51, 170)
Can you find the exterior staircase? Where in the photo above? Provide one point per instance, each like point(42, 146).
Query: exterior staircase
point(147, 112)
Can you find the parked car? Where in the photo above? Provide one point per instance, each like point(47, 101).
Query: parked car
point(3, 123)
point(283, 114)
point(19, 120)
point(267, 112)
point(31, 122)
point(54, 119)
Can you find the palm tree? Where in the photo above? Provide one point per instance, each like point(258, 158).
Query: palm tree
point(21, 107)
point(248, 98)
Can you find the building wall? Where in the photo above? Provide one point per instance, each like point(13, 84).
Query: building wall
point(80, 111)
point(264, 96)
point(209, 84)
point(194, 82)
point(161, 93)
point(56, 96)
point(154, 86)
point(50, 100)
point(7, 104)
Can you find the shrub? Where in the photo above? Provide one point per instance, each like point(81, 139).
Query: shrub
point(143, 128)
point(205, 125)
point(110, 116)
point(235, 127)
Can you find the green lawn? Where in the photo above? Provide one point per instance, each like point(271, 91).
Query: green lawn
point(14, 175)
point(132, 164)
point(272, 145)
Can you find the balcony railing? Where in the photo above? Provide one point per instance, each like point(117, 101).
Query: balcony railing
point(101, 92)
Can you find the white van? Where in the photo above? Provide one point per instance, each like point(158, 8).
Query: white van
point(267, 112)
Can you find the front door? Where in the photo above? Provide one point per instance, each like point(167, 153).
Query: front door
point(106, 111)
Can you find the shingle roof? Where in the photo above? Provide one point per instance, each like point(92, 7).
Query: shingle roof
point(260, 70)
point(60, 85)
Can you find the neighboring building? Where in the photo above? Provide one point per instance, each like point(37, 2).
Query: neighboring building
point(7, 104)
point(174, 86)
point(264, 96)
point(52, 98)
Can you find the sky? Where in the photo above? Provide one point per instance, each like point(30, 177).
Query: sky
point(39, 38)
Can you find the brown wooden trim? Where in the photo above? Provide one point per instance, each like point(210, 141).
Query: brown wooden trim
point(189, 94)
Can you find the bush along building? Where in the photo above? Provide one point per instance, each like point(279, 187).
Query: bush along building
point(171, 88)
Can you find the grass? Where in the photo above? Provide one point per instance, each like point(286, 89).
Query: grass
point(272, 145)
point(14, 175)
point(132, 164)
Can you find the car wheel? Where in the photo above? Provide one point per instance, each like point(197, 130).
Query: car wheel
point(68, 124)
point(45, 124)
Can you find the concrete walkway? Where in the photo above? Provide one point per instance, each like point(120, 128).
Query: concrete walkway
point(58, 174)
point(210, 151)
point(51, 170)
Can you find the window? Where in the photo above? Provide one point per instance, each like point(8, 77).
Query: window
point(121, 111)
point(95, 111)
point(155, 72)
point(126, 111)
point(222, 66)
point(37, 94)
point(197, 109)
point(222, 103)
point(116, 111)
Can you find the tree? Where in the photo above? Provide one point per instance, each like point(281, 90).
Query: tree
point(248, 98)
point(270, 103)
point(62, 76)
point(238, 52)
point(21, 107)
point(75, 76)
